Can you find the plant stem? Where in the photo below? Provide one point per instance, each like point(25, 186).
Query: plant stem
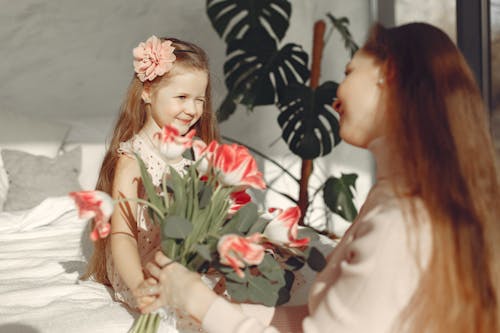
point(307, 165)
point(145, 202)
point(165, 192)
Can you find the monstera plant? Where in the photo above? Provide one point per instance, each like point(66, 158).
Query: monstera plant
point(259, 71)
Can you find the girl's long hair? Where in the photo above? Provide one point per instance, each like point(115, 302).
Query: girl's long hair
point(438, 130)
point(132, 118)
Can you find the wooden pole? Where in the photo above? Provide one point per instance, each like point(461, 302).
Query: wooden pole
point(307, 165)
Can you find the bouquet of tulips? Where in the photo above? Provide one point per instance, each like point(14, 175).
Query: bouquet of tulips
point(209, 223)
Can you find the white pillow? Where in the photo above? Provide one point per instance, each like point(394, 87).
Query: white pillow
point(33, 178)
point(32, 135)
point(4, 186)
point(92, 156)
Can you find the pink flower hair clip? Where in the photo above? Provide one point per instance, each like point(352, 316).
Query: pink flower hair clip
point(153, 58)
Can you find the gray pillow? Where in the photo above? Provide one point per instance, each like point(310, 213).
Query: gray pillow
point(33, 178)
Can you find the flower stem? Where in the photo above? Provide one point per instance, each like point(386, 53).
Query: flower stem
point(145, 202)
point(165, 193)
point(146, 323)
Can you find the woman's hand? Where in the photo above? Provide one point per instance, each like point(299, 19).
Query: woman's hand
point(142, 300)
point(178, 287)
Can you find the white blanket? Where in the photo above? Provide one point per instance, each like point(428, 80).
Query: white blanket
point(43, 251)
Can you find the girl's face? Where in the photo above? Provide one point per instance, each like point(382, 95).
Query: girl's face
point(181, 101)
point(358, 101)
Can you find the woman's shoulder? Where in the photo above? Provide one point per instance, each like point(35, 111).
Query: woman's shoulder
point(383, 203)
point(387, 217)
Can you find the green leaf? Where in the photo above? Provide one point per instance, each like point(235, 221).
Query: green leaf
point(309, 127)
point(231, 275)
point(262, 291)
point(204, 195)
point(284, 292)
point(176, 227)
point(232, 18)
point(256, 69)
point(179, 188)
point(271, 269)
point(197, 263)
point(294, 263)
point(338, 195)
point(204, 251)
point(315, 259)
point(227, 107)
point(341, 24)
point(258, 226)
point(259, 288)
point(170, 247)
point(242, 221)
point(247, 216)
point(238, 291)
point(306, 231)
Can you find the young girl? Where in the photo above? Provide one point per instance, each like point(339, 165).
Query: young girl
point(424, 253)
point(171, 86)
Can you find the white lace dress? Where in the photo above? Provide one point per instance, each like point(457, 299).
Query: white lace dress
point(148, 233)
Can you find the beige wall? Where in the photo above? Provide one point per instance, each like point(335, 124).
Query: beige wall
point(70, 61)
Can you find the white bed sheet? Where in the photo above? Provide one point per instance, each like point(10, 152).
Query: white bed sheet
point(43, 251)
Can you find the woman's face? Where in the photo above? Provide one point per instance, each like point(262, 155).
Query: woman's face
point(361, 114)
point(179, 102)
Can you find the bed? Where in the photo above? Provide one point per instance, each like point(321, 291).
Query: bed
point(44, 246)
point(43, 251)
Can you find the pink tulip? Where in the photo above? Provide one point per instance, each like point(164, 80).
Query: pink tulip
point(234, 166)
point(97, 205)
point(205, 154)
point(236, 251)
point(238, 200)
point(284, 228)
point(153, 58)
point(172, 143)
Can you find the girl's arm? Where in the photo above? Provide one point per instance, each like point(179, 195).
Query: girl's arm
point(123, 223)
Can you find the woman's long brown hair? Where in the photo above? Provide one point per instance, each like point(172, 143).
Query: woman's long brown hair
point(132, 118)
point(438, 130)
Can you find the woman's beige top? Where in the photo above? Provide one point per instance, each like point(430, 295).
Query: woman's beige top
point(370, 276)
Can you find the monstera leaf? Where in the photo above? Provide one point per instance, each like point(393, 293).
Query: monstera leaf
point(234, 18)
point(309, 127)
point(341, 24)
point(256, 70)
point(338, 196)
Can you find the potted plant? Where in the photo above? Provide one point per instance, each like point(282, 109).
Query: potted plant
point(259, 71)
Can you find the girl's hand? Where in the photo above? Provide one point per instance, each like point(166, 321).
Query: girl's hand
point(178, 287)
point(142, 299)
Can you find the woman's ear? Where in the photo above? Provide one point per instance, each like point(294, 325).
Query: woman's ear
point(386, 73)
point(146, 93)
